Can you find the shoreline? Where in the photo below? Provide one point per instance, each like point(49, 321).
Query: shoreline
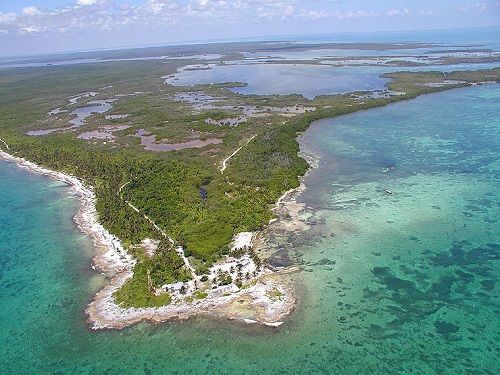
point(112, 259)
point(286, 207)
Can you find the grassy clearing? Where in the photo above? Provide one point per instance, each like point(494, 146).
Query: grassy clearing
point(274, 294)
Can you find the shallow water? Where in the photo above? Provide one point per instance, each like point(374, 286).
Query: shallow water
point(409, 278)
point(150, 144)
point(483, 37)
point(95, 106)
point(313, 80)
point(307, 80)
point(408, 282)
point(405, 53)
point(480, 37)
point(266, 79)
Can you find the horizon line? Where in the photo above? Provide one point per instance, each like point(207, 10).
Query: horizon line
point(249, 39)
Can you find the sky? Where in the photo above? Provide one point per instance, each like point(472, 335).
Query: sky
point(46, 26)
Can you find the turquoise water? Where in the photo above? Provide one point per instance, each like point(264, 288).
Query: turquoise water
point(411, 277)
point(401, 283)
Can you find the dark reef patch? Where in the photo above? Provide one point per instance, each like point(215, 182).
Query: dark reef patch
point(445, 328)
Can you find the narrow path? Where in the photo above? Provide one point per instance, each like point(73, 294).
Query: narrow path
point(5, 143)
point(179, 250)
point(188, 265)
point(151, 222)
point(144, 215)
point(224, 163)
point(121, 187)
point(132, 206)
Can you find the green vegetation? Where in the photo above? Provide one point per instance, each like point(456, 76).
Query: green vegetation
point(165, 185)
point(165, 267)
point(200, 295)
point(224, 278)
point(135, 292)
point(274, 294)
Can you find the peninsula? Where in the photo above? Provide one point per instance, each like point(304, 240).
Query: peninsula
point(177, 181)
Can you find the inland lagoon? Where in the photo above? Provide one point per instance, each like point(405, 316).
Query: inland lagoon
point(307, 80)
point(399, 268)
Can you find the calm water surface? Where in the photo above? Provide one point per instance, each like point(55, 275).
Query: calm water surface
point(314, 80)
point(401, 283)
point(307, 80)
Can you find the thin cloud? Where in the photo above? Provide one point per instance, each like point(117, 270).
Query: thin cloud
point(31, 11)
point(86, 2)
point(109, 15)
